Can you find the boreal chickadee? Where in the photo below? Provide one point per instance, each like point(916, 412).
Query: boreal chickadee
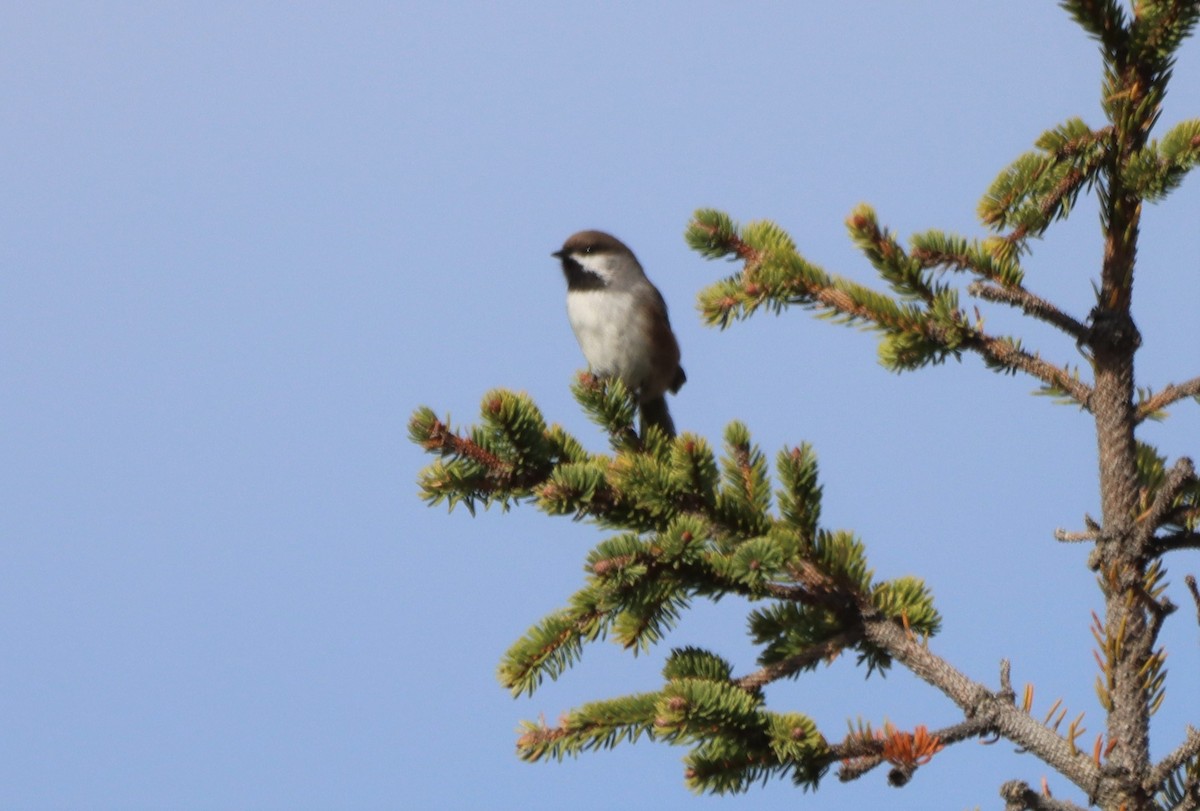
point(620, 321)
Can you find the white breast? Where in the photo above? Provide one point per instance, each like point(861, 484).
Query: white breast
point(611, 333)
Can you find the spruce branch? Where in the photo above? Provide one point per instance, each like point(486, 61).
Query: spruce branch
point(1180, 790)
point(996, 710)
point(774, 274)
point(498, 464)
point(736, 741)
point(915, 334)
point(1184, 754)
point(825, 651)
point(1030, 304)
point(799, 495)
point(935, 249)
point(1159, 167)
point(1170, 501)
point(1165, 492)
point(1176, 542)
point(1041, 187)
point(1004, 354)
point(864, 749)
point(610, 405)
point(1158, 28)
point(725, 542)
point(710, 538)
point(1195, 592)
point(1091, 533)
point(599, 725)
point(1066, 536)
point(906, 274)
point(435, 436)
point(1168, 395)
point(1105, 21)
point(1019, 796)
point(1189, 794)
point(549, 648)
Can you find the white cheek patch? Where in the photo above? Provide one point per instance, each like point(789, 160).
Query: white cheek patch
point(599, 264)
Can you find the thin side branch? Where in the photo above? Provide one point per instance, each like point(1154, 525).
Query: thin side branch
point(1190, 803)
point(1176, 541)
point(445, 442)
point(1181, 474)
point(1006, 354)
point(1092, 533)
point(1195, 592)
point(860, 756)
point(994, 710)
point(1170, 394)
point(1030, 304)
point(817, 289)
point(1187, 750)
point(1066, 536)
point(999, 351)
point(1018, 796)
point(825, 651)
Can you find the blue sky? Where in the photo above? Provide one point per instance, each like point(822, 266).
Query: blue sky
point(243, 241)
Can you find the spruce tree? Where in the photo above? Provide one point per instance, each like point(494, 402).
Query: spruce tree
point(689, 525)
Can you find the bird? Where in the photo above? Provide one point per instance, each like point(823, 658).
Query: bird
point(620, 320)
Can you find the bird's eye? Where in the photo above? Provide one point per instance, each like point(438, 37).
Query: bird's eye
point(588, 249)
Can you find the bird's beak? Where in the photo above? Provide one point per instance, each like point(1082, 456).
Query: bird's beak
point(559, 254)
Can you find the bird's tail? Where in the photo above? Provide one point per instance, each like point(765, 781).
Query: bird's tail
point(654, 412)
